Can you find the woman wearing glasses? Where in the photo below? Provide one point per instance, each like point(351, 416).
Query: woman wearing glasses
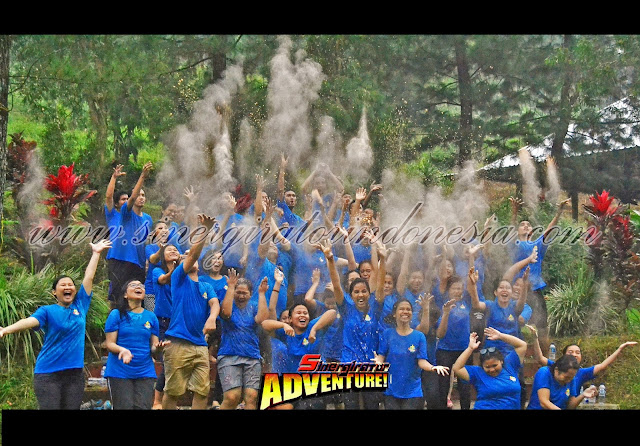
point(131, 338)
point(496, 378)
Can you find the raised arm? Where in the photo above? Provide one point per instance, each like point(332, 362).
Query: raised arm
point(458, 367)
point(519, 345)
point(111, 187)
point(310, 295)
point(425, 320)
point(537, 351)
point(196, 248)
point(403, 275)
point(598, 368)
point(275, 293)
point(348, 249)
point(263, 309)
point(281, 174)
point(382, 271)
point(325, 320)
point(444, 321)
point(227, 303)
point(257, 214)
point(325, 246)
point(517, 267)
point(522, 298)
point(472, 289)
point(90, 272)
point(556, 217)
point(146, 169)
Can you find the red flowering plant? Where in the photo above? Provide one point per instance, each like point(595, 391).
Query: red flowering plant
point(69, 191)
point(600, 211)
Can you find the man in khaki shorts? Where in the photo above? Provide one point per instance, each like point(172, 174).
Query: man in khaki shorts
point(193, 314)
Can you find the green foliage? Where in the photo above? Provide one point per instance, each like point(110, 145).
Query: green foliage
point(16, 389)
point(579, 305)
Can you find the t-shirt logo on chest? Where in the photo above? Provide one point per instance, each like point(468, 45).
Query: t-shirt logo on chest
point(204, 295)
point(512, 378)
point(367, 318)
point(305, 341)
point(511, 318)
point(412, 348)
point(147, 325)
point(76, 312)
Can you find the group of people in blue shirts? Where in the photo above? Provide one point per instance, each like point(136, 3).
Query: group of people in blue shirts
point(201, 304)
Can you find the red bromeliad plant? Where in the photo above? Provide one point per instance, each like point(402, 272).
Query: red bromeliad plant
point(600, 212)
point(69, 190)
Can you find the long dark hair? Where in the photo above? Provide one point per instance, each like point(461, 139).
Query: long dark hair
point(163, 262)
point(564, 364)
point(123, 307)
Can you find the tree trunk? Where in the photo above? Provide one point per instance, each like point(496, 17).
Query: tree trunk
point(466, 101)
point(5, 48)
point(564, 108)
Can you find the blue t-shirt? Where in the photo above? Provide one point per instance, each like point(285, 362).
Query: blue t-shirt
point(520, 250)
point(219, 285)
point(134, 334)
point(501, 392)
point(360, 332)
point(458, 328)
point(462, 270)
point(265, 268)
point(64, 333)
point(332, 341)
point(559, 393)
point(129, 246)
point(150, 250)
point(387, 307)
point(288, 216)
point(583, 376)
point(112, 218)
point(163, 303)
point(190, 309)
point(299, 345)
point(304, 263)
point(232, 239)
point(279, 356)
point(402, 353)
point(238, 334)
point(505, 320)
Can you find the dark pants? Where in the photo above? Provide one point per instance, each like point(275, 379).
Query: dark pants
point(120, 272)
point(370, 400)
point(127, 394)
point(59, 390)
point(392, 403)
point(430, 386)
point(447, 358)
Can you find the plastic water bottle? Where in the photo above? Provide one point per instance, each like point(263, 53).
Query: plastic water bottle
point(552, 352)
point(602, 393)
point(103, 380)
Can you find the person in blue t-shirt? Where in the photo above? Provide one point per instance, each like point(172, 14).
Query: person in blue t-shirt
point(521, 249)
point(584, 374)
point(360, 310)
point(553, 387)
point(170, 257)
point(302, 335)
point(238, 360)
point(405, 349)
point(126, 259)
point(453, 328)
point(496, 378)
point(132, 341)
point(195, 308)
point(113, 201)
point(58, 379)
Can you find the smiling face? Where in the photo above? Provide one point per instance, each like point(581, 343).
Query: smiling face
point(242, 294)
point(448, 269)
point(517, 288)
point(65, 291)
point(215, 262)
point(503, 292)
point(171, 254)
point(134, 291)
point(416, 280)
point(492, 366)
point(404, 313)
point(360, 295)
point(564, 377)
point(456, 290)
point(299, 318)
point(574, 351)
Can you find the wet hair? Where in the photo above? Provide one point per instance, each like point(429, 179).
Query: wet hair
point(454, 279)
point(298, 303)
point(497, 354)
point(58, 279)
point(357, 281)
point(389, 319)
point(163, 262)
point(207, 262)
point(118, 194)
point(564, 364)
point(366, 261)
point(246, 282)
